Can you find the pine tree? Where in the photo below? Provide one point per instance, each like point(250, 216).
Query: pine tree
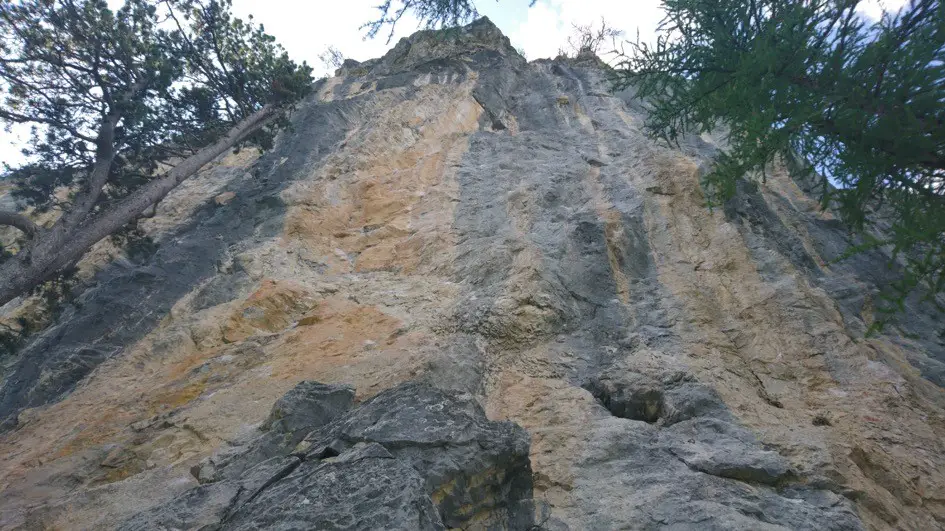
point(125, 105)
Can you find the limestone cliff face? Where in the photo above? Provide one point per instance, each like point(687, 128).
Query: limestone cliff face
point(451, 219)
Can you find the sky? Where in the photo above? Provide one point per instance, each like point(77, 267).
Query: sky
point(307, 27)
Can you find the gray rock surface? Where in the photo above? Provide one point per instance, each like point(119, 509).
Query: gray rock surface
point(309, 405)
point(673, 398)
point(203, 507)
point(669, 492)
point(413, 457)
point(722, 449)
point(477, 470)
point(304, 408)
point(363, 488)
point(124, 304)
point(689, 464)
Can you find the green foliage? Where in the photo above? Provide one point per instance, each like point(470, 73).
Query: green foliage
point(58, 290)
point(175, 75)
point(124, 105)
point(53, 297)
point(857, 103)
point(11, 339)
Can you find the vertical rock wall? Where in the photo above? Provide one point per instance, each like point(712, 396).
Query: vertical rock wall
point(452, 215)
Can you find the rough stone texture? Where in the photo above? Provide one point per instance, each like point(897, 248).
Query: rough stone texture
point(413, 457)
point(477, 471)
point(308, 405)
point(356, 490)
point(721, 449)
point(674, 398)
point(305, 407)
point(202, 507)
point(453, 215)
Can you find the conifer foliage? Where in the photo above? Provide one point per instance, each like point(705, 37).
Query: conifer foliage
point(857, 104)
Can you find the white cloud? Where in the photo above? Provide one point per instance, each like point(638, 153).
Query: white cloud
point(307, 28)
point(874, 8)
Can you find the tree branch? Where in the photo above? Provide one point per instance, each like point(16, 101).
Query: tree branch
point(23, 118)
point(19, 221)
point(104, 156)
point(124, 210)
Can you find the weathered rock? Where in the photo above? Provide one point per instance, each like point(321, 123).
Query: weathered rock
point(201, 508)
point(307, 406)
point(689, 400)
point(476, 470)
point(360, 489)
point(262, 476)
point(412, 457)
point(224, 198)
point(688, 424)
point(667, 399)
point(684, 477)
point(636, 397)
point(722, 449)
point(304, 408)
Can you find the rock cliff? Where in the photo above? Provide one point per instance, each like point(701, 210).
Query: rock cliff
point(466, 291)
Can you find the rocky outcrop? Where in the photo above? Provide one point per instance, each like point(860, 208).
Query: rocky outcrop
point(451, 230)
point(413, 457)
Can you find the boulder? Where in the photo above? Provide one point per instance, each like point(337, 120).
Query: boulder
point(364, 488)
point(475, 469)
point(412, 457)
point(309, 405)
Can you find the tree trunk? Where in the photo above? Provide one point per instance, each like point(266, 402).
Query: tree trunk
point(57, 249)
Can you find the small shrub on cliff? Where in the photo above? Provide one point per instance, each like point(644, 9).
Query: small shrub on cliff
point(589, 40)
point(331, 58)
